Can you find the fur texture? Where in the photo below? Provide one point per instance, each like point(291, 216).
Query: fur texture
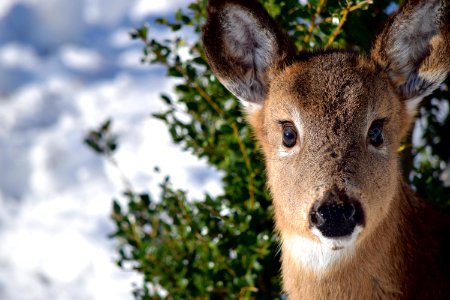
point(332, 99)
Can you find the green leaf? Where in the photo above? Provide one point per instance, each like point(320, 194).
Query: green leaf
point(236, 257)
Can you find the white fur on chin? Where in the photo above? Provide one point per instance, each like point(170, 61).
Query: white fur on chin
point(316, 256)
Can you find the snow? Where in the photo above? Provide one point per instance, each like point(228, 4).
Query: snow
point(81, 59)
point(73, 70)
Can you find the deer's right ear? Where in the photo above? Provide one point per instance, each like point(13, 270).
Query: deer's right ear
point(242, 43)
point(414, 49)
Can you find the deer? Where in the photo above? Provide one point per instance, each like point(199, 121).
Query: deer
point(329, 124)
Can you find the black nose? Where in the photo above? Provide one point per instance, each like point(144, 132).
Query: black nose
point(336, 218)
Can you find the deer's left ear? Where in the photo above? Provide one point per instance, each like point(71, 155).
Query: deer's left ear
point(414, 48)
point(243, 44)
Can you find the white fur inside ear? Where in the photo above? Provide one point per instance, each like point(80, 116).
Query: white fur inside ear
point(247, 40)
point(410, 40)
point(414, 45)
point(253, 50)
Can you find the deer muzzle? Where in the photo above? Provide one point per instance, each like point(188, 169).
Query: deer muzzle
point(336, 217)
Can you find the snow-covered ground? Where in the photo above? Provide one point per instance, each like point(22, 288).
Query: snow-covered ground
point(65, 67)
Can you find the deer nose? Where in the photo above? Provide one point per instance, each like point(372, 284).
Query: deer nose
point(336, 219)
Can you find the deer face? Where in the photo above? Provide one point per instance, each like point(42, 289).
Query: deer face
point(330, 136)
point(329, 123)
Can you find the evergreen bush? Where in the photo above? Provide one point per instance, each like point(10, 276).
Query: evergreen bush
point(224, 247)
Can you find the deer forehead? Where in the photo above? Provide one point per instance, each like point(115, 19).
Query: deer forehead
point(337, 89)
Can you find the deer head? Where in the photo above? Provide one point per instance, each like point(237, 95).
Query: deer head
point(329, 123)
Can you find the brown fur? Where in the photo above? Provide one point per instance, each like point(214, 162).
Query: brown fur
point(332, 98)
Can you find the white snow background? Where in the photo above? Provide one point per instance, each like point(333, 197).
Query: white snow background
point(65, 67)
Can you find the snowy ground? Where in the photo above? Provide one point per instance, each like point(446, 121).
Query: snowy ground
point(66, 66)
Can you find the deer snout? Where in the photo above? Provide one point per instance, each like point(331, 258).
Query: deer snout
point(336, 218)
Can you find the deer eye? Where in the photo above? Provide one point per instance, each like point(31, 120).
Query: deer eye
point(375, 134)
point(289, 135)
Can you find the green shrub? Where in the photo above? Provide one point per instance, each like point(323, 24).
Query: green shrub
point(224, 247)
